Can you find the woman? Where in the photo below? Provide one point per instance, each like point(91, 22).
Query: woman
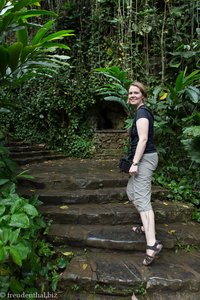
point(145, 159)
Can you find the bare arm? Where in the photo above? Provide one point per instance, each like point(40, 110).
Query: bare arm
point(143, 129)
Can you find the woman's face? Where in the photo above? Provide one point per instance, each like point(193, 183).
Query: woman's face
point(135, 96)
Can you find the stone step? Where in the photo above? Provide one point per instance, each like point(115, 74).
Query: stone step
point(108, 153)
point(65, 196)
point(18, 143)
point(38, 158)
point(66, 182)
point(79, 173)
point(63, 174)
point(159, 295)
point(122, 237)
point(115, 213)
point(76, 174)
point(28, 154)
point(121, 273)
point(26, 148)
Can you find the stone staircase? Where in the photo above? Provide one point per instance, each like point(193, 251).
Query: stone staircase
point(25, 152)
point(92, 218)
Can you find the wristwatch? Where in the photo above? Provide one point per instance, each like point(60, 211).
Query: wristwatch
point(135, 164)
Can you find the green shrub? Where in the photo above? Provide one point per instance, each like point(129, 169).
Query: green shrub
point(56, 112)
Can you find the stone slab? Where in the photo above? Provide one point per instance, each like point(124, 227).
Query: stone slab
point(80, 174)
point(114, 237)
point(185, 295)
point(65, 196)
point(122, 237)
point(123, 273)
point(115, 213)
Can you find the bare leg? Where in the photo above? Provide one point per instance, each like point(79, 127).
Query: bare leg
point(134, 297)
point(148, 221)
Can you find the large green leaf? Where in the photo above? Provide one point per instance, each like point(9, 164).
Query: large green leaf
point(17, 205)
point(14, 54)
point(53, 46)
point(26, 52)
point(22, 36)
point(193, 93)
point(3, 60)
point(2, 3)
point(20, 220)
point(101, 71)
point(192, 77)
point(115, 73)
point(16, 256)
point(179, 82)
point(57, 36)
point(39, 35)
point(34, 13)
point(23, 248)
point(22, 61)
point(23, 3)
point(14, 236)
point(5, 235)
point(5, 26)
point(3, 253)
point(30, 210)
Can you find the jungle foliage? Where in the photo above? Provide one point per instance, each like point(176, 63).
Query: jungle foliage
point(153, 41)
point(27, 261)
point(24, 252)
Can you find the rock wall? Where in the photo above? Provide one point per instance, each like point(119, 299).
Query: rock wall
point(110, 143)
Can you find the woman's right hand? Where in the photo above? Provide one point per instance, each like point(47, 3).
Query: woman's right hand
point(133, 170)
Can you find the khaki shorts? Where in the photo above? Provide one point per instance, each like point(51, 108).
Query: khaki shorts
point(139, 186)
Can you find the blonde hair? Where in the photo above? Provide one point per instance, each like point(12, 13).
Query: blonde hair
point(141, 87)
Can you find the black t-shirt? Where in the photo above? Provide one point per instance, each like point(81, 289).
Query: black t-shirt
point(142, 112)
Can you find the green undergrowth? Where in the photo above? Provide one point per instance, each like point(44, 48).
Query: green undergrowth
point(178, 178)
point(28, 262)
point(103, 289)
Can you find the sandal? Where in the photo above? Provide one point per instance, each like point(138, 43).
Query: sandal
point(149, 259)
point(138, 229)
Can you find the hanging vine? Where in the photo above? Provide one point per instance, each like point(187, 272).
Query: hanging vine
point(162, 43)
point(136, 35)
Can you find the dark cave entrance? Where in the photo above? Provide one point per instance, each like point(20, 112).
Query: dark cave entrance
point(110, 115)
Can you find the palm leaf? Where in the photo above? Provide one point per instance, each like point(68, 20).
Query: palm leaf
point(23, 4)
point(54, 46)
point(39, 35)
point(34, 13)
point(57, 35)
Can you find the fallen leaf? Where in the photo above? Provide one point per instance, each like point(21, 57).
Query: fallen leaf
point(185, 206)
point(164, 96)
point(68, 253)
point(171, 231)
point(85, 266)
point(165, 203)
point(64, 207)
